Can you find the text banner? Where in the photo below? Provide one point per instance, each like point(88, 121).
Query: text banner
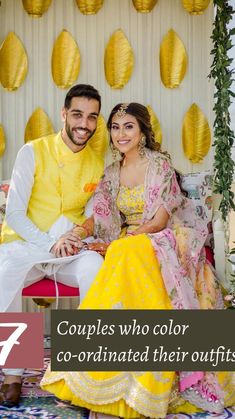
point(143, 340)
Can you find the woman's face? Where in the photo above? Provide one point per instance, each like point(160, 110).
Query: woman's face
point(125, 133)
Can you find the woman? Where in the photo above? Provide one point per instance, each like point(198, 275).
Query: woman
point(139, 198)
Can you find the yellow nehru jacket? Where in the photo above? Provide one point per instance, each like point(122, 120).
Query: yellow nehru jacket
point(63, 183)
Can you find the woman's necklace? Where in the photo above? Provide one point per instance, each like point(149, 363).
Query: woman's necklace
point(137, 164)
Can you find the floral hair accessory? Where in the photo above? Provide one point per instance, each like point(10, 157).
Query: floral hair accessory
point(89, 187)
point(122, 110)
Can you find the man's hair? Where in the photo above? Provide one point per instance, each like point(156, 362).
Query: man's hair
point(82, 90)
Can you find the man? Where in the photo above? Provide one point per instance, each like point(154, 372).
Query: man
point(50, 187)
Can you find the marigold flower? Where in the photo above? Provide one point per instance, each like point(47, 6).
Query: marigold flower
point(90, 187)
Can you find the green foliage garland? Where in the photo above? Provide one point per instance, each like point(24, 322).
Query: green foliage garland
point(222, 73)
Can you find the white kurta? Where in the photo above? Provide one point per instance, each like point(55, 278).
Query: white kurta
point(19, 257)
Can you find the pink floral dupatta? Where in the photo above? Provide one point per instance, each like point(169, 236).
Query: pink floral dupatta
point(180, 263)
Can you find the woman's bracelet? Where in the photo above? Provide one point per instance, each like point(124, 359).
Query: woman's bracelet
point(82, 231)
point(86, 230)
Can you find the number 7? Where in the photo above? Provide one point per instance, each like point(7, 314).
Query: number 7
point(11, 341)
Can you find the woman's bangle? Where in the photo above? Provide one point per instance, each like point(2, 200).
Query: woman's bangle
point(86, 230)
point(81, 231)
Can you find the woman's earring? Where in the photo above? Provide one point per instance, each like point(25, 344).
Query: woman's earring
point(142, 145)
point(114, 151)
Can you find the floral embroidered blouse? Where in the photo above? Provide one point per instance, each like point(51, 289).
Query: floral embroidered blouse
point(130, 202)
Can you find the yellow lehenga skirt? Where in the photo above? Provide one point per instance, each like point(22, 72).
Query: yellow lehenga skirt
point(130, 278)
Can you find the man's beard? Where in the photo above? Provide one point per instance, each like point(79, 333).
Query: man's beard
point(78, 142)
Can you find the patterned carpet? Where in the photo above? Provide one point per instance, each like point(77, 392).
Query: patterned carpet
point(51, 408)
point(43, 408)
point(37, 404)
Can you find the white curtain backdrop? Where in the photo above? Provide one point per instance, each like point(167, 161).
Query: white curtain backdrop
point(145, 33)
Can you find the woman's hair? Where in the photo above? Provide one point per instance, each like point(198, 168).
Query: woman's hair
point(141, 113)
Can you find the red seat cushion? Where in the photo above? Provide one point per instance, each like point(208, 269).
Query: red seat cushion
point(46, 288)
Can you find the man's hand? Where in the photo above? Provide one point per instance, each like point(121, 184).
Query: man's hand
point(100, 248)
point(68, 244)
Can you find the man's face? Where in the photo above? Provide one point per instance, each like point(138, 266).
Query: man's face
point(80, 122)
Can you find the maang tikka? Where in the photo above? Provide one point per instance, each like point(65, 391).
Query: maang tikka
point(122, 110)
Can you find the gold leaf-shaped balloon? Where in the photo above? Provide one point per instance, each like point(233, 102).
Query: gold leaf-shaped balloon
point(99, 140)
point(196, 135)
point(173, 60)
point(13, 62)
point(38, 125)
point(144, 6)
point(195, 7)
point(36, 8)
point(2, 141)
point(119, 60)
point(155, 125)
point(65, 62)
point(89, 7)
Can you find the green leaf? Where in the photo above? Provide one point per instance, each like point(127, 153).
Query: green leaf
point(222, 73)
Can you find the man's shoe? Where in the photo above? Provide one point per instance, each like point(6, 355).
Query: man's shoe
point(10, 394)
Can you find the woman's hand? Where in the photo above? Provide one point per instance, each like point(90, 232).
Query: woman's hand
point(100, 248)
point(158, 223)
point(86, 229)
point(68, 244)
